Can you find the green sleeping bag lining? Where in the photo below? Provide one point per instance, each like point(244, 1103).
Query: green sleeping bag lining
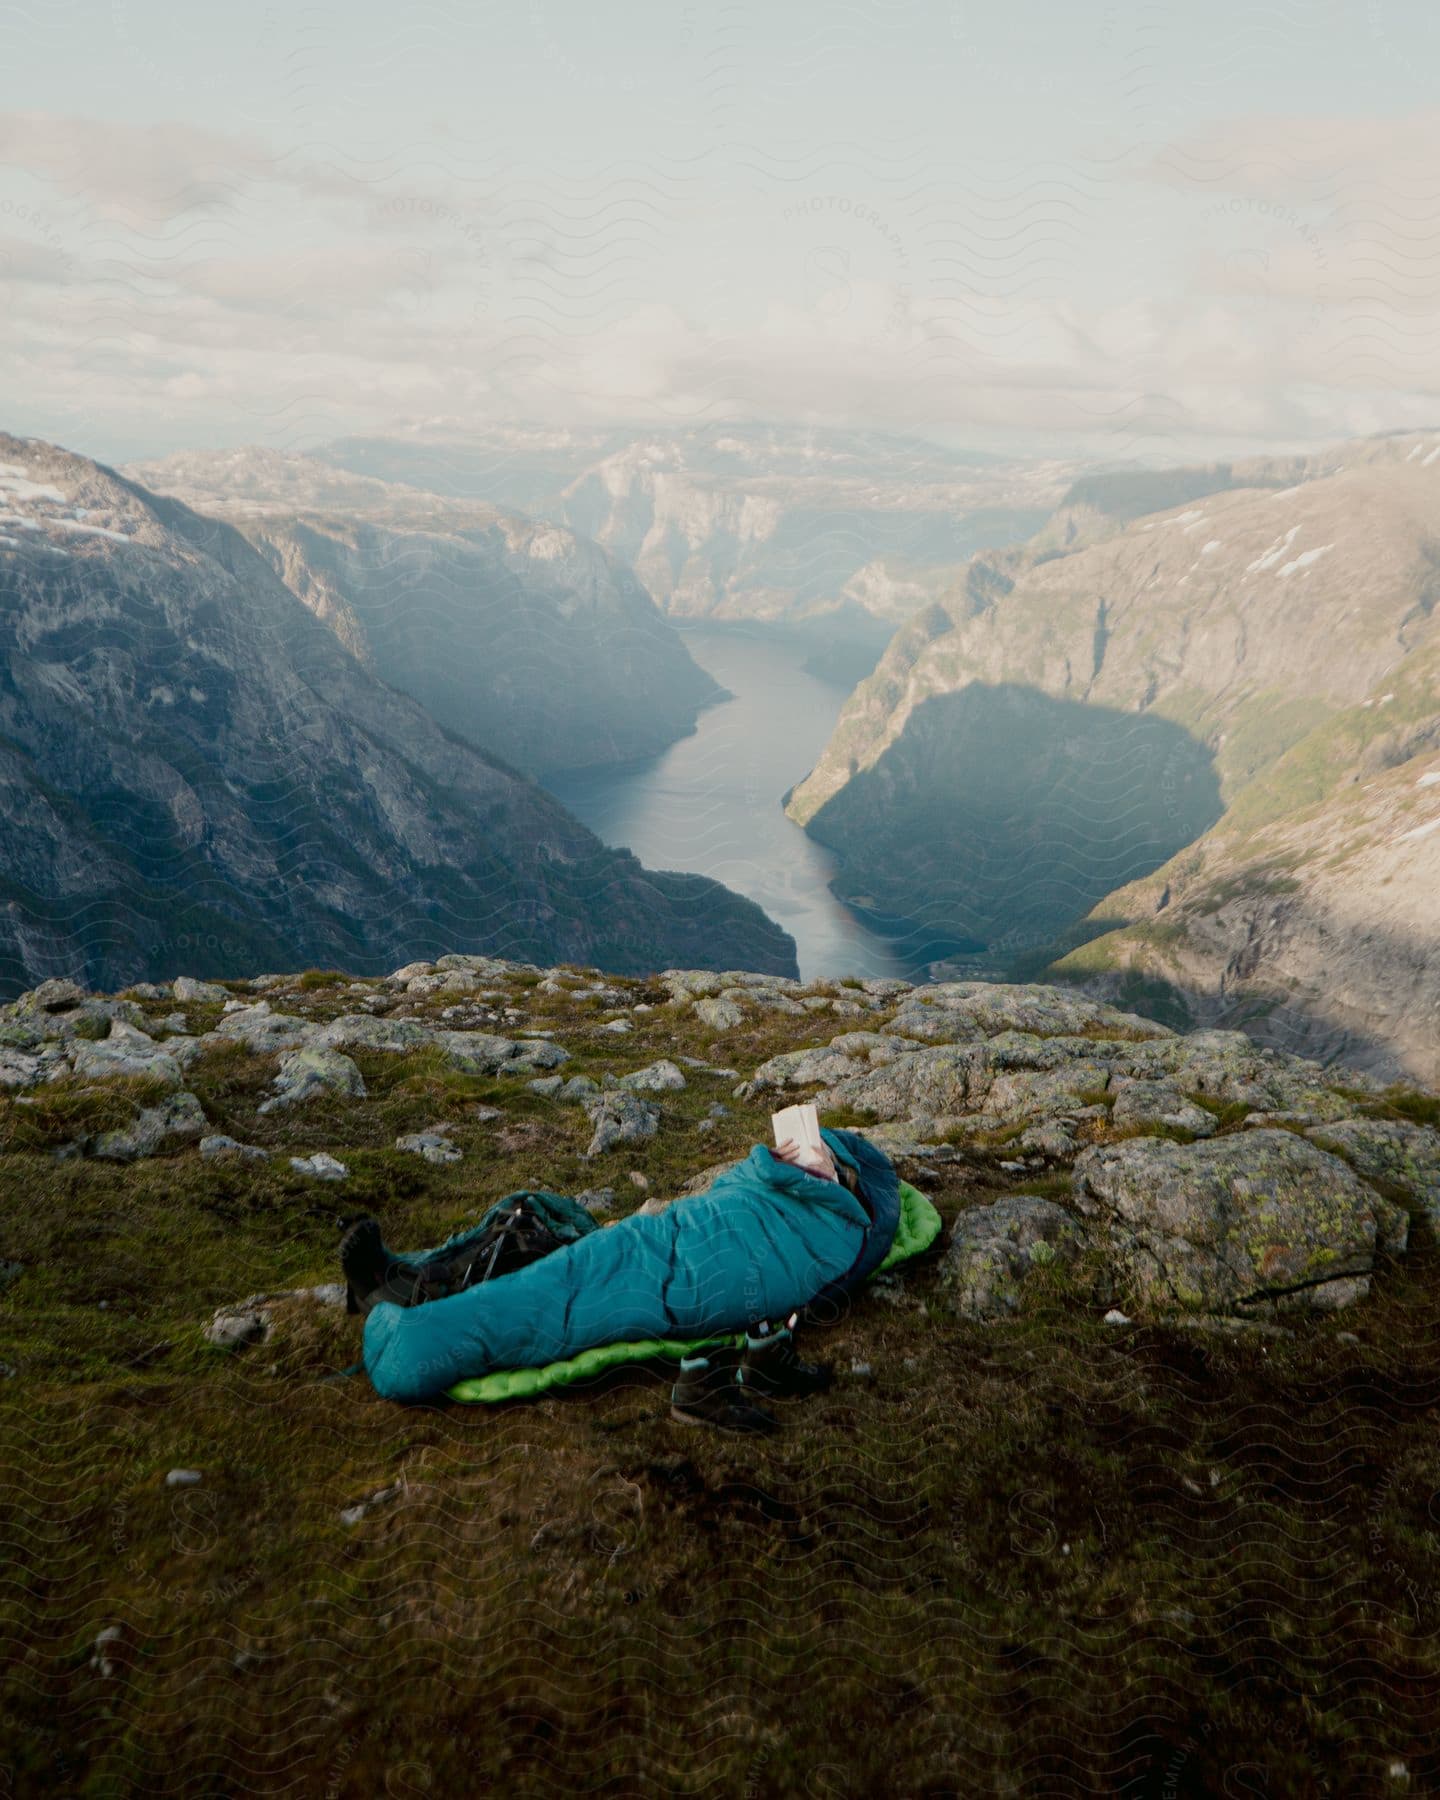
point(918, 1228)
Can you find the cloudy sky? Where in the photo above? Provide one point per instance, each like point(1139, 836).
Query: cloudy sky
point(1109, 228)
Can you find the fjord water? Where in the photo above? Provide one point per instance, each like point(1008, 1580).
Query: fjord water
point(711, 804)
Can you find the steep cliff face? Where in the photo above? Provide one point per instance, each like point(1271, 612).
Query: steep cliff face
point(1311, 914)
point(525, 637)
point(1255, 654)
point(196, 767)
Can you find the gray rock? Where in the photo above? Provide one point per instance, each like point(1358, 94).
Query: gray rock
point(547, 1086)
point(1236, 1224)
point(620, 1118)
point(263, 1033)
point(953, 1011)
point(180, 1118)
point(596, 1200)
point(719, 1015)
point(320, 1167)
point(618, 1026)
point(531, 1055)
point(314, 1075)
point(186, 987)
point(1159, 1103)
point(183, 1478)
point(1404, 1156)
point(1035, 1093)
point(126, 1052)
point(52, 996)
point(1052, 1139)
point(476, 1052)
point(363, 1031)
point(434, 1146)
point(994, 1250)
point(661, 1077)
point(18, 1069)
point(579, 1087)
point(219, 1148)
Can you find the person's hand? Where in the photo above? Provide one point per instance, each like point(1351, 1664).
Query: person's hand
point(816, 1162)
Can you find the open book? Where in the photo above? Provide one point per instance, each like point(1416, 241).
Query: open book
point(803, 1124)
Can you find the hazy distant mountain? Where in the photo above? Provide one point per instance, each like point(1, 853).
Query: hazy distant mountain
point(525, 637)
point(196, 768)
point(744, 522)
point(1241, 688)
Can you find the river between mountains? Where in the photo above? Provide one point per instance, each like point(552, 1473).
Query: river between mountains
point(711, 804)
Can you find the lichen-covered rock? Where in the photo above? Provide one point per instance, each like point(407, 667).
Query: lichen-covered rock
point(1148, 1103)
point(1236, 1224)
point(718, 1014)
point(951, 1011)
point(994, 1250)
point(620, 1117)
point(263, 1033)
point(126, 1052)
point(532, 1054)
point(186, 987)
point(477, 1052)
point(662, 1077)
point(917, 1085)
point(180, 1118)
point(1037, 1093)
point(1391, 1150)
point(362, 1031)
point(314, 1075)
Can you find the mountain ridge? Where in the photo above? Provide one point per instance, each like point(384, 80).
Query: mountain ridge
point(197, 769)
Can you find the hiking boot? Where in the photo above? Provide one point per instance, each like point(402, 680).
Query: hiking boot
point(373, 1273)
point(708, 1396)
point(770, 1367)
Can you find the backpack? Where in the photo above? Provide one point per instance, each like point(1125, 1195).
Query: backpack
point(514, 1233)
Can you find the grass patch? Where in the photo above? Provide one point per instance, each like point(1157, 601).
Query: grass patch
point(313, 979)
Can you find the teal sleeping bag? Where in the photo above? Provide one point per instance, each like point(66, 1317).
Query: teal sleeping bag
point(764, 1240)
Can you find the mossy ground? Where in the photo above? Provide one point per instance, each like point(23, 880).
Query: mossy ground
point(1046, 1557)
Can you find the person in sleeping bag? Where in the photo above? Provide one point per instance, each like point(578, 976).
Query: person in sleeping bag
point(767, 1239)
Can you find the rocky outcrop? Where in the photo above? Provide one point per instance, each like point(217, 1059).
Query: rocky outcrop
point(1242, 1225)
point(199, 776)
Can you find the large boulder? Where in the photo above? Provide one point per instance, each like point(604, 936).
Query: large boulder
point(993, 1251)
point(1236, 1225)
point(1405, 1156)
point(314, 1075)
